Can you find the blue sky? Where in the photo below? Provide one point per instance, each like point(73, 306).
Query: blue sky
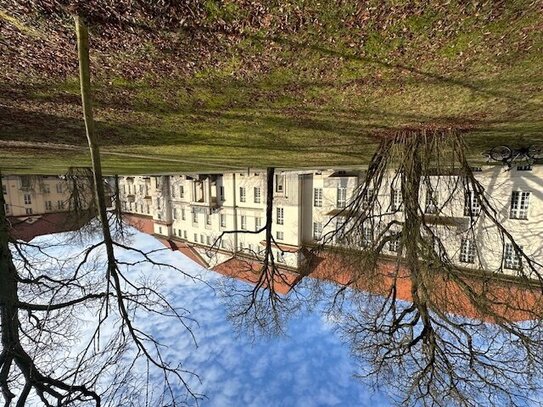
point(308, 366)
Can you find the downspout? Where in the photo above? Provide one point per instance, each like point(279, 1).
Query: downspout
point(235, 208)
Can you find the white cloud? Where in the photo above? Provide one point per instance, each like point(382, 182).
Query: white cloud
point(308, 367)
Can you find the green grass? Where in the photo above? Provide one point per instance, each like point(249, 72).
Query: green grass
point(322, 95)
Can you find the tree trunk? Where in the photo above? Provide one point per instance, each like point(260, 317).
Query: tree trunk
point(86, 100)
point(8, 303)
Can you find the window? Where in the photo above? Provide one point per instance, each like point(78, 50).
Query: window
point(28, 199)
point(394, 243)
point(221, 193)
point(223, 220)
point(28, 211)
point(148, 209)
point(258, 223)
point(185, 234)
point(317, 230)
point(396, 201)
point(317, 197)
point(141, 189)
point(519, 205)
point(46, 189)
point(183, 214)
point(208, 240)
point(243, 222)
point(196, 238)
point(367, 196)
point(467, 251)
point(202, 239)
point(242, 194)
point(280, 257)
point(280, 216)
point(175, 213)
point(194, 217)
point(208, 219)
point(60, 204)
point(158, 203)
point(175, 232)
point(59, 188)
point(341, 197)
point(367, 236)
point(471, 204)
point(511, 258)
point(431, 201)
point(181, 191)
point(48, 205)
point(279, 183)
point(160, 229)
point(4, 190)
point(25, 182)
point(257, 195)
point(279, 235)
point(340, 230)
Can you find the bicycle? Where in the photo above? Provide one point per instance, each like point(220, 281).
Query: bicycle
point(507, 155)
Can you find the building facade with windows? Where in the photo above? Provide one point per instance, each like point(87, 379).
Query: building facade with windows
point(308, 205)
point(27, 195)
point(198, 209)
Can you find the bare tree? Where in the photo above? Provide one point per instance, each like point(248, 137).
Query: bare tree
point(433, 331)
point(51, 296)
point(262, 309)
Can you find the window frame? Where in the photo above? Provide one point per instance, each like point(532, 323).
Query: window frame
point(518, 208)
point(317, 197)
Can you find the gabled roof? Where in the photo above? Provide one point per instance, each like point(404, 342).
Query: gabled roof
point(249, 270)
point(28, 227)
point(143, 223)
point(187, 249)
point(510, 299)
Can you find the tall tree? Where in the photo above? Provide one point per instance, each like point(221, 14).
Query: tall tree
point(435, 332)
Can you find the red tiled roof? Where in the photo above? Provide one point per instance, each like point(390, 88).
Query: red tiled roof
point(45, 224)
point(186, 249)
point(144, 224)
point(249, 271)
point(508, 299)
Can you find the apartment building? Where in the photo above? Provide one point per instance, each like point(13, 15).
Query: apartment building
point(199, 208)
point(40, 204)
point(34, 194)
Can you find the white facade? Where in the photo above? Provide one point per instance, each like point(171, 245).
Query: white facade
point(26, 195)
point(198, 208)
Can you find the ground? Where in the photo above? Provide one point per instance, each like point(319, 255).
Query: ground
point(244, 84)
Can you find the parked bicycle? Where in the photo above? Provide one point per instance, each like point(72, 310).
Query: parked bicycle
point(507, 155)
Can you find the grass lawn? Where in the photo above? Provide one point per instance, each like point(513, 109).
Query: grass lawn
point(308, 94)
